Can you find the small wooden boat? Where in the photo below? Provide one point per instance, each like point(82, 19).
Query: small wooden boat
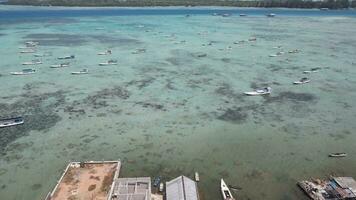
point(107, 52)
point(263, 91)
point(66, 57)
point(337, 155)
point(225, 191)
point(24, 72)
point(312, 70)
point(110, 62)
point(83, 71)
point(11, 122)
point(60, 65)
point(161, 187)
point(33, 62)
point(302, 81)
point(196, 175)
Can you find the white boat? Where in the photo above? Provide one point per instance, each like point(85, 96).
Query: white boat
point(271, 15)
point(83, 71)
point(33, 62)
point(263, 91)
point(302, 81)
point(11, 122)
point(161, 187)
point(225, 191)
point(66, 57)
point(137, 51)
point(294, 51)
point(312, 70)
point(196, 176)
point(107, 52)
point(32, 43)
point(24, 72)
point(110, 62)
point(337, 155)
point(272, 55)
point(252, 39)
point(60, 65)
point(28, 51)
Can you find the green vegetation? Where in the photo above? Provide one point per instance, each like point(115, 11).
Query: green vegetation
point(331, 4)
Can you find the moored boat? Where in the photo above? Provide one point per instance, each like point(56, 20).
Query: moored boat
point(157, 181)
point(28, 51)
point(271, 15)
point(110, 62)
point(24, 72)
point(83, 71)
point(243, 15)
point(137, 51)
point(66, 57)
point(60, 65)
point(11, 122)
point(196, 176)
point(337, 155)
point(33, 62)
point(302, 81)
point(107, 52)
point(263, 91)
point(225, 191)
point(312, 70)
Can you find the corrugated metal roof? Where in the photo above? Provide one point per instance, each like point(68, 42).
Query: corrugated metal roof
point(181, 188)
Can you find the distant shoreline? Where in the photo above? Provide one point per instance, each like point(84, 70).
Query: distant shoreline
point(334, 5)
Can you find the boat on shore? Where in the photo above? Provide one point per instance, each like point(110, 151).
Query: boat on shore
point(302, 81)
point(24, 72)
point(60, 65)
point(83, 71)
point(225, 191)
point(337, 155)
point(66, 57)
point(11, 122)
point(110, 62)
point(33, 62)
point(262, 91)
point(107, 52)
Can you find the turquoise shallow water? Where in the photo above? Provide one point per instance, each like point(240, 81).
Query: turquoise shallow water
point(168, 111)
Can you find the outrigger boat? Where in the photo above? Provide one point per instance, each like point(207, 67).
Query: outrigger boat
point(83, 71)
point(24, 72)
point(11, 122)
point(263, 91)
point(60, 65)
point(337, 155)
point(110, 62)
point(225, 191)
point(66, 57)
point(107, 52)
point(33, 62)
point(302, 81)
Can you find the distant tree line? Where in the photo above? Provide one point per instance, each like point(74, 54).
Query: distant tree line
point(331, 4)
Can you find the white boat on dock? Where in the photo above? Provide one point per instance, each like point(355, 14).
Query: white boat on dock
point(262, 91)
point(83, 71)
point(11, 122)
point(110, 62)
point(24, 72)
point(225, 191)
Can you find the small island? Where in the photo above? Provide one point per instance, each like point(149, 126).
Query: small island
point(325, 4)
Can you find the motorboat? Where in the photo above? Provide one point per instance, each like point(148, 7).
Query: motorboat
point(312, 70)
point(240, 42)
point(196, 176)
point(156, 181)
point(271, 15)
point(107, 52)
point(337, 155)
point(225, 191)
point(302, 81)
point(294, 51)
point(243, 15)
point(28, 51)
point(83, 71)
point(60, 65)
point(31, 43)
point(252, 39)
point(226, 15)
point(33, 62)
point(110, 62)
point(11, 122)
point(262, 91)
point(24, 72)
point(137, 51)
point(272, 55)
point(161, 187)
point(66, 57)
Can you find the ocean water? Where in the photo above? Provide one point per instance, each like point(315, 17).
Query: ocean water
point(170, 111)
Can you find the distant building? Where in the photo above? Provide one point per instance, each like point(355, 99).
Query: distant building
point(181, 188)
point(131, 188)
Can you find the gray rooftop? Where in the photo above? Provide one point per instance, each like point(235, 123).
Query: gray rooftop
point(346, 182)
point(181, 188)
point(132, 189)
